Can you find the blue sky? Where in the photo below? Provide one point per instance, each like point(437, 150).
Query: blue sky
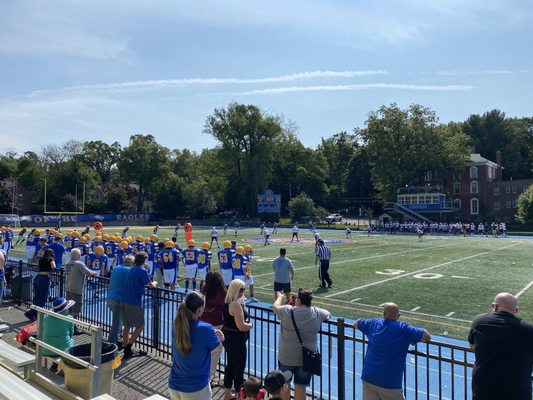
point(104, 70)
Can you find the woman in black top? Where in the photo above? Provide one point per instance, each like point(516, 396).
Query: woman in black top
point(41, 283)
point(236, 334)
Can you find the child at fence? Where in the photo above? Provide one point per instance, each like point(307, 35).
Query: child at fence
point(252, 390)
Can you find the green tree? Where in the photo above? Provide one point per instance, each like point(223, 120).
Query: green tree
point(144, 162)
point(102, 157)
point(246, 135)
point(525, 206)
point(118, 198)
point(488, 132)
point(402, 145)
point(301, 206)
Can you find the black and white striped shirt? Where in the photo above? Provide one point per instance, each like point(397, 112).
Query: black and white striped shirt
point(323, 252)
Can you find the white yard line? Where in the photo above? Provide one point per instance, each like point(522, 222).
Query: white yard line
point(450, 314)
point(520, 293)
point(418, 271)
point(415, 309)
point(364, 258)
point(461, 277)
point(354, 300)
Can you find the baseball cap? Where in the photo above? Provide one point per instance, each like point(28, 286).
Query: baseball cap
point(275, 380)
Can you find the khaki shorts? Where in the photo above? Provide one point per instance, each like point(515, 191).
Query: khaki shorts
point(373, 392)
point(203, 394)
point(132, 315)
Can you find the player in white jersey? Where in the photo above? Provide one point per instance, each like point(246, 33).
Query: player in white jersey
point(249, 280)
point(348, 233)
point(214, 237)
point(295, 233)
point(266, 234)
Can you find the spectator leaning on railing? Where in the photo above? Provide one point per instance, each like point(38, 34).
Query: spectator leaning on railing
point(308, 320)
point(503, 345)
point(388, 342)
point(76, 272)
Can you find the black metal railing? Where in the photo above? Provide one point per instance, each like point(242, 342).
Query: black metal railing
point(433, 371)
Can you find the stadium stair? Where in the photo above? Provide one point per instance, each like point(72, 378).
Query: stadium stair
point(406, 212)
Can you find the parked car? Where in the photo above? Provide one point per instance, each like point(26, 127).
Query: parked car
point(334, 218)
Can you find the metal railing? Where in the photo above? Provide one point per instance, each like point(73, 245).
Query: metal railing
point(433, 371)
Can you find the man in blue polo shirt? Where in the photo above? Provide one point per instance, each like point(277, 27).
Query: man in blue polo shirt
point(388, 342)
point(114, 297)
point(131, 306)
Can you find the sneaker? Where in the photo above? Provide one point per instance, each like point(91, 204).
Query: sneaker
point(253, 300)
point(136, 353)
point(54, 368)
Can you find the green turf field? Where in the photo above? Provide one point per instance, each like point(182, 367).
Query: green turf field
point(440, 283)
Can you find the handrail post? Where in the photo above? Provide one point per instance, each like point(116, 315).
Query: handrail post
point(96, 360)
point(341, 376)
point(20, 284)
point(156, 320)
point(61, 282)
point(39, 351)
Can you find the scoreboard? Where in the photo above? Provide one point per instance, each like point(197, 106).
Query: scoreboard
point(268, 202)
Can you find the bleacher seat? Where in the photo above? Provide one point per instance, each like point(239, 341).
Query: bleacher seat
point(14, 388)
point(16, 357)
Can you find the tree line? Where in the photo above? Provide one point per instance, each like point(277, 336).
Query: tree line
point(255, 151)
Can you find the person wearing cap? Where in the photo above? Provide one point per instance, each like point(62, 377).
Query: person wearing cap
point(388, 342)
point(308, 320)
point(277, 385)
point(57, 332)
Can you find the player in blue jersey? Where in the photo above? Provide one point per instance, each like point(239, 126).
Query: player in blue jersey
point(97, 262)
point(190, 259)
point(97, 241)
point(124, 248)
point(84, 249)
point(204, 263)
point(40, 249)
point(8, 240)
point(70, 243)
point(151, 249)
point(176, 233)
point(239, 264)
point(124, 233)
point(111, 250)
point(154, 231)
point(31, 242)
point(59, 250)
point(138, 245)
point(224, 260)
point(169, 259)
point(50, 236)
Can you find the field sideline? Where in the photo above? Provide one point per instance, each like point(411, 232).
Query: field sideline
point(440, 283)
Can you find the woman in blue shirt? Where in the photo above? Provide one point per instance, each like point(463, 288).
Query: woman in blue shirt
point(194, 340)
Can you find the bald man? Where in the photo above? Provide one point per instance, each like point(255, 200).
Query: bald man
point(503, 344)
point(388, 342)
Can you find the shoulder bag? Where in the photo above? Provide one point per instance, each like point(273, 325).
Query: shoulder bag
point(312, 360)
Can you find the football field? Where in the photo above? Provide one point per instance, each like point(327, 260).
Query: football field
point(440, 283)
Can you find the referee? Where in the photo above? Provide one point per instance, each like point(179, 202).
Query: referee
point(323, 254)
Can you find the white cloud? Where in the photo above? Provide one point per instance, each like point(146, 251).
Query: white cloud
point(119, 87)
point(481, 72)
point(365, 86)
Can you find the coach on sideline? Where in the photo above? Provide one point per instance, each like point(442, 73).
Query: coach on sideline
point(503, 345)
point(323, 255)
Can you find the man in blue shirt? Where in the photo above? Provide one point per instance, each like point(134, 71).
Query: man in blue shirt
point(59, 250)
point(388, 342)
point(132, 311)
point(114, 296)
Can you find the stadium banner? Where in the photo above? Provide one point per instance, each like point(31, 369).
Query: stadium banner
point(122, 217)
point(268, 202)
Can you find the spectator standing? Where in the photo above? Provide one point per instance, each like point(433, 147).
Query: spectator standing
point(214, 291)
point(308, 320)
point(323, 256)
point(283, 274)
point(277, 385)
point(41, 283)
point(76, 272)
point(388, 342)
point(115, 295)
point(503, 345)
point(236, 333)
point(132, 310)
point(194, 340)
point(59, 249)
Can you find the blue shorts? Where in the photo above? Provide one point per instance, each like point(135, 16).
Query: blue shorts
point(301, 377)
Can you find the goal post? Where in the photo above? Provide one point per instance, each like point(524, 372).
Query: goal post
point(75, 212)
